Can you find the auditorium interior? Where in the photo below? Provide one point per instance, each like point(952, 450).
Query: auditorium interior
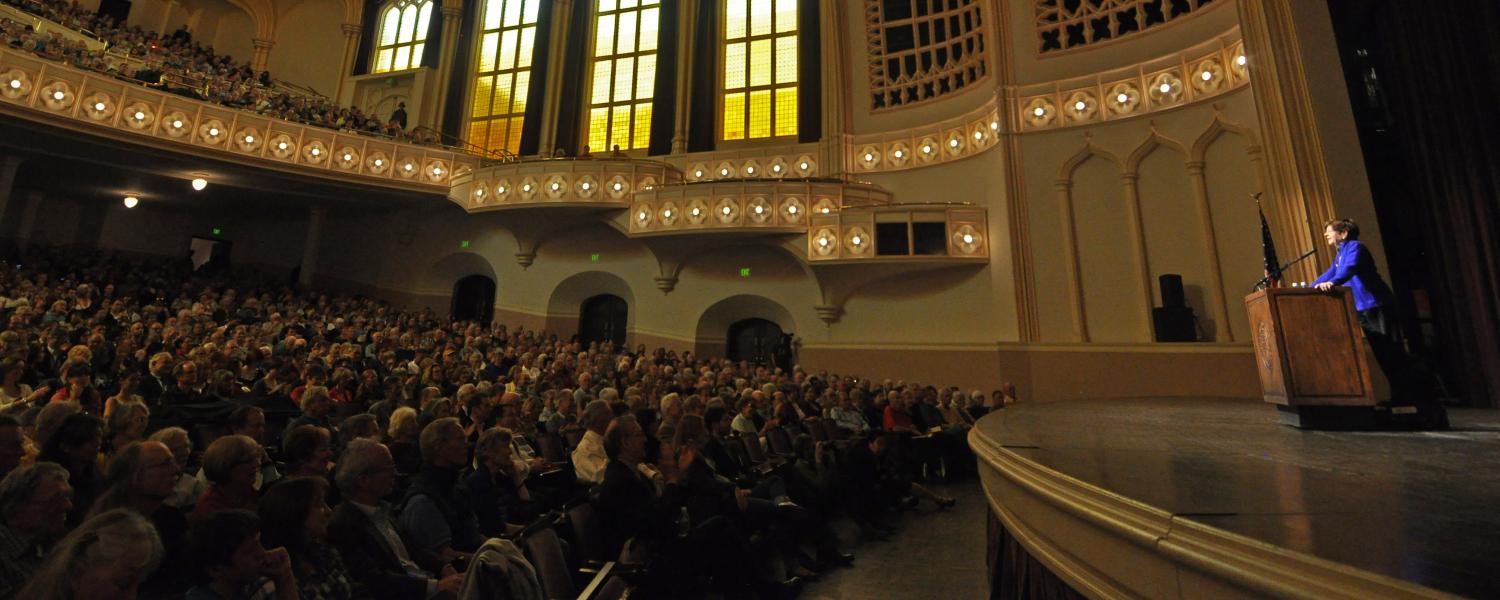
point(749, 299)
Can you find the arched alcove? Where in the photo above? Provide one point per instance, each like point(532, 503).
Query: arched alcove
point(758, 341)
point(603, 318)
point(713, 332)
point(565, 307)
point(473, 299)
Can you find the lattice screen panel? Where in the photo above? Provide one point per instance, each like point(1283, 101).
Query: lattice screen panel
point(1068, 24)
point(922, 49)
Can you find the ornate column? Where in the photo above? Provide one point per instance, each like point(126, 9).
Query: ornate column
point(562, 14)
point(1218, 303)
point(453, 18)
point(351, 52)
point(835, 144)
point(1298, 180)
point(261, 54)
point(687, 19)
point(1064, 189)
point(310, 245)
point(1130, 182)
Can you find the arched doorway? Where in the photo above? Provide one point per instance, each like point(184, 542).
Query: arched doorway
point(474, 299)
point(759, 341)
point(603, 319)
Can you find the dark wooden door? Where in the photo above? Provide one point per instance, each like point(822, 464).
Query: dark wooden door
point(474, 299)
point(755, 340)
point(603, 319)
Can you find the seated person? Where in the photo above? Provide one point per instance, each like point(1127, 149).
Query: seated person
point(233, 565)
point(437, 513)
point(294, 515)
point(501, 500)
point(106, 557)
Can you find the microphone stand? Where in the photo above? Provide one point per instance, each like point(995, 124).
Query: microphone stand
point(1266, 281)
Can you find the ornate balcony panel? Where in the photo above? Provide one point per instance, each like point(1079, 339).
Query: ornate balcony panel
point(578, 183)
point(743, 206)
point(944, 233)
point(41, 90)
point(773, 162)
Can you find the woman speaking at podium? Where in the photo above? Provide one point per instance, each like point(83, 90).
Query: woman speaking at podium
point(1354, 267)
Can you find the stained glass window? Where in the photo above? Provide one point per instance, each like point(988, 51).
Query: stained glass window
point(402, 35)
point(623, 75)
point(506, 45)
point(760, 69)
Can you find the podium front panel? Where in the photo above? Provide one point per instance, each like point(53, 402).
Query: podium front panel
point(1321, 361)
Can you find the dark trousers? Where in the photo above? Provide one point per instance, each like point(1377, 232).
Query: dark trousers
point(1385, 342)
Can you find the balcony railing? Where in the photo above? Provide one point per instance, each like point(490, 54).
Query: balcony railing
point(749, 205)
point(534, 183)
point(900, 232)
point(42, 90)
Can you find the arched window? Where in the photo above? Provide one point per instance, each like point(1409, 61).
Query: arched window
point(624, 73)
point(403, 35)
point(760, 69)
point(507, 43)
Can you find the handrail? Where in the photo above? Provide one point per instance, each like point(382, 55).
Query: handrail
point(495, 155)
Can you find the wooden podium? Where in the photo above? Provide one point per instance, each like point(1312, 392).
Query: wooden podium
point(1310, 353)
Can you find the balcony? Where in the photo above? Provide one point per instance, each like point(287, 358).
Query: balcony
point(43, 91)
point(900, 233)
point(589, 183)
point(745, 206)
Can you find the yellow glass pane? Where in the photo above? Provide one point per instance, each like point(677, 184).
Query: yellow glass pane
point(624, 73)
point(650, 29)
point(627, 3)
point(734, 66)
point(627, 33)
point(760, 62)
point(598, 128)
point(786, 59)
point(508, 40)
point(389, 25)
point(786, 16)
point(403, 58)
point(512, 13)
point(619, 127)
point(488, 49)
point(734, 116)
point(650, 2)
point(760, 114)
point(492, 10)
point(604, 36)
point(477, 131)
point(606, 5)
point(645, 77)
point(786, 111)
point(528, 47)
point(424, 17)
point(760, 17)
point(734, 19)
point(383, 60)
point(483, 88)
point(600, 93)
point(497, 136)
point(532, 9)
point(642, 137)
point(523, 87)
point(416, 54)
point(408, 25)
point(513, 141)
point(501, 105)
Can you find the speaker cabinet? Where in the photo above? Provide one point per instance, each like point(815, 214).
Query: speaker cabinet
point(1174, 324)
point(1171, 291)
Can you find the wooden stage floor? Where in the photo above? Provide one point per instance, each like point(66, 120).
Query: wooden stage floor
point(1423, 507)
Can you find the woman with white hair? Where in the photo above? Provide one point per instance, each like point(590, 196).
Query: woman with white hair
point(106, 557)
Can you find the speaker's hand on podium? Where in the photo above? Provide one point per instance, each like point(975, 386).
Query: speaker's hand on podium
point(1325, 286)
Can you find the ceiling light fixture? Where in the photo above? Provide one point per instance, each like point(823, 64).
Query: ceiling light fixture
point(1166, 88)
point(131, 201)
point(58, 95)
point(139, 116)
point(199, 183)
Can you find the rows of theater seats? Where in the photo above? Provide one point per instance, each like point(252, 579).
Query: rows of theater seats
point(198, 437)
point(176, 64)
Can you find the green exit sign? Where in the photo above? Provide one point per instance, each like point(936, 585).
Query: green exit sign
point(594, 257)
point(218, 231)
point(463, 244)
point(744, 271)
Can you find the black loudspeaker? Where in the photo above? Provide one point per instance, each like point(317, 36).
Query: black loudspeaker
point(1174, 323)
point(1171, 291)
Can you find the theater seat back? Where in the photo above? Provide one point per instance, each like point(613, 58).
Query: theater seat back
point(545, 551)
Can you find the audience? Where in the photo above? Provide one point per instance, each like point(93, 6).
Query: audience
point(438, 435)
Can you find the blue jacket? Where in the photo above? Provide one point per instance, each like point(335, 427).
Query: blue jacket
point(1354, 267)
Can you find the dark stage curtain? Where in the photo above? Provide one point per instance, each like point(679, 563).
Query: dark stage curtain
point(1015, 574)
point(1423, 80)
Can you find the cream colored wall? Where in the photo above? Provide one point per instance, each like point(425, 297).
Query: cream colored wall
point(309, 44)
point(216, 23)
point(1114, 302)
point(1032, 67)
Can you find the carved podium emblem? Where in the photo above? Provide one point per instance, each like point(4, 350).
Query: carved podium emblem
point(1263, 345)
